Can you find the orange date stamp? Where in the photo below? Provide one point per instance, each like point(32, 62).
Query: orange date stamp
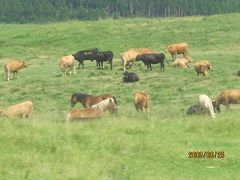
point(205, 154)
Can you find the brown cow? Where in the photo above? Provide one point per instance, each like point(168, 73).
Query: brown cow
point(226, 98)
point(13, 66)
point(202, 67)
point(141, 101)
point(23, 109)
point(180, 48)
point(130, 55)
point(182, 62)
point(82, 114)
point(65, 63)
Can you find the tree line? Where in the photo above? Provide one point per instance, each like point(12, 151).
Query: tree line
point(37, 11)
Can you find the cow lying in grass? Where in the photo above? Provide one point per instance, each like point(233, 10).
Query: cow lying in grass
point(13, 66)
point(182, 62)
point(96, 111)
point(23, 110)
point(130, 77)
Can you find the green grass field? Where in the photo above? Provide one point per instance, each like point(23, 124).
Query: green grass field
point(129, 145)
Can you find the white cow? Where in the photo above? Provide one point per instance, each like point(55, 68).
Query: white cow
point(205, 102)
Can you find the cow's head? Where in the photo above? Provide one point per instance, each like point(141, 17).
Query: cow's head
point(24, 64)
point(73, 100)
point(216, 105)
point(138, 58)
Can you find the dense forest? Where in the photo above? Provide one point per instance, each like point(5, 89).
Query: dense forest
point(26, 11)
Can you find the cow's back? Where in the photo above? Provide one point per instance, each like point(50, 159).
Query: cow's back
point(81, 114)
point(229, 96)
point(13, 66)
point(23, 109)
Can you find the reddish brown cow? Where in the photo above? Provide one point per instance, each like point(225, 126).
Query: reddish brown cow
point(23, 109)
point(180, 48)
point(13, 66)
point(226, 98)
point(202, 67)
point(141, 101)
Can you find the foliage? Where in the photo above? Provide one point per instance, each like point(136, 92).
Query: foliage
point(25, 11)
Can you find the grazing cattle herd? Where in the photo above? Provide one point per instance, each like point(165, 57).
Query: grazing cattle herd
point(96, 106)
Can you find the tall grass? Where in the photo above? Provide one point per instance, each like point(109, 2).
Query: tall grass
point(129, 145)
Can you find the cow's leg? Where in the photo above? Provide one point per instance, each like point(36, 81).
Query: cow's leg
point(102, 64)
point(7, 75)
point(150, 65)
point(124, 65)
point(110, 65)
point(74, 70)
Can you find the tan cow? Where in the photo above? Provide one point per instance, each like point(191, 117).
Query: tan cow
point(23, 110)
point(65, 63)
point(141, 101)
point(202, 67)
point(182, 62)
point(83, 114)
point(130, 55)
point(226, 98)
point(180, 48)
point(13, 66)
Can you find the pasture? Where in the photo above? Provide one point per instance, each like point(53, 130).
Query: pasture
point(129, 145)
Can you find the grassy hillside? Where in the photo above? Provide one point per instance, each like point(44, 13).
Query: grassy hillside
point(129, 145)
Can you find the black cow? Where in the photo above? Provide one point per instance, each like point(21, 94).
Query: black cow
point(83, 55)
point(130, 77)
point(104, 56)
point(149, 59)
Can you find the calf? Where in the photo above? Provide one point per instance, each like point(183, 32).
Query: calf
point(23, 110)
point(13, 67)
point(202, 67)
point(149, 59)
point(182, 62)
point(83, 55)
point(130, 77)
point(141, 101)
point(65, 63)
point(226, 98)
point(205, 103)
point(180, 48)
point(82, 114)
point(104, 56)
